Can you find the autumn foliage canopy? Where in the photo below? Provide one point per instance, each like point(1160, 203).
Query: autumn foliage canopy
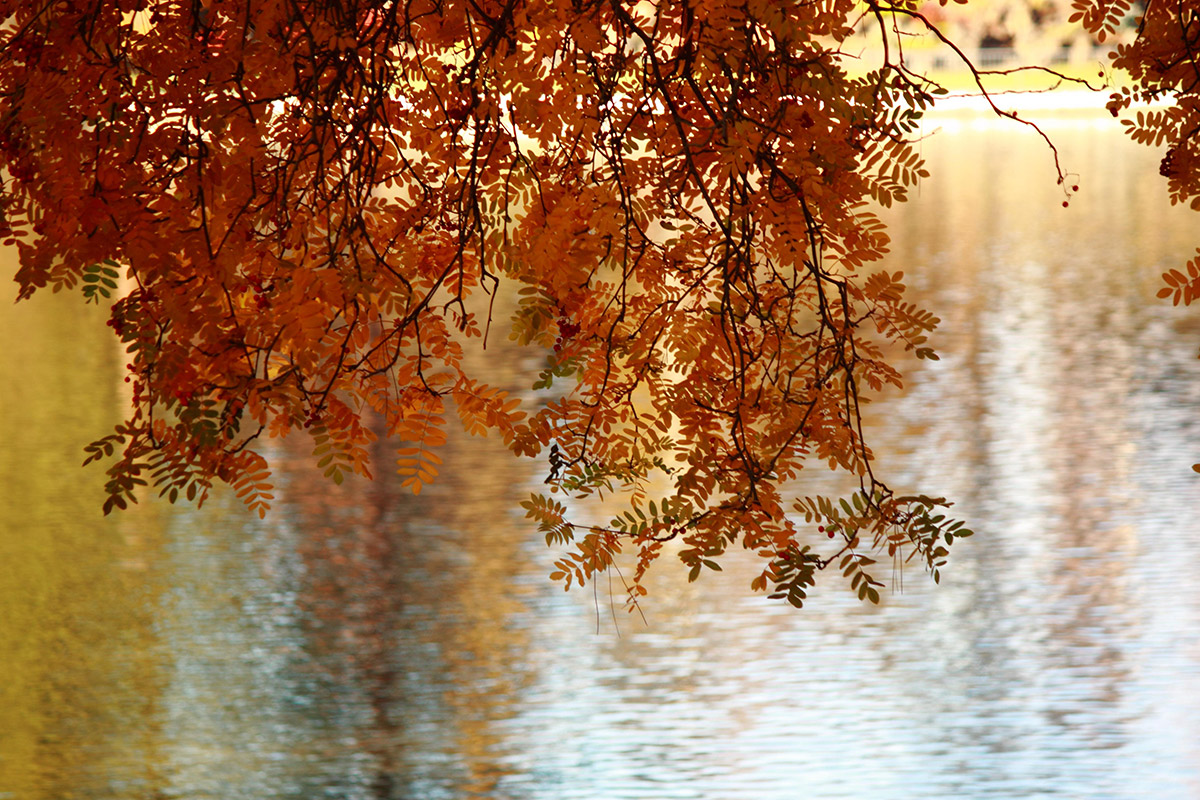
point(302, 212)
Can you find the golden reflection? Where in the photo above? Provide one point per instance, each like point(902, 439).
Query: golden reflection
point(79, 658)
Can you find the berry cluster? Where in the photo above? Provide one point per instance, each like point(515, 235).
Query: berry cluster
point(566, 331)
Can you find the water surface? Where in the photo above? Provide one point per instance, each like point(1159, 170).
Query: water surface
point(363, 643)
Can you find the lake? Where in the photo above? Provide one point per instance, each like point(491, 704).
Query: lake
point(364, 643)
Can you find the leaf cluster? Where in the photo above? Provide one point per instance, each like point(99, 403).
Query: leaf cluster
point(304, 213)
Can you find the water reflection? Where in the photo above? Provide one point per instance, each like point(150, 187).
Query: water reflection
point(80, 666)
point(362, 643)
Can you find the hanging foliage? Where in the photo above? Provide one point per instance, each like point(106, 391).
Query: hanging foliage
point(304, 210)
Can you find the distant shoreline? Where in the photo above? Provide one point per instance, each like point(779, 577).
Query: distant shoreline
point(1074, 101)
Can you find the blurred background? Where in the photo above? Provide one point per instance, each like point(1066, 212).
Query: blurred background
point(364, 643)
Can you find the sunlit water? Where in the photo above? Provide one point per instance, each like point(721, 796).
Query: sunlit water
point(363, 643)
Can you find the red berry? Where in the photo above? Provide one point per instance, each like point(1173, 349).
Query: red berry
point(1066, 204)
